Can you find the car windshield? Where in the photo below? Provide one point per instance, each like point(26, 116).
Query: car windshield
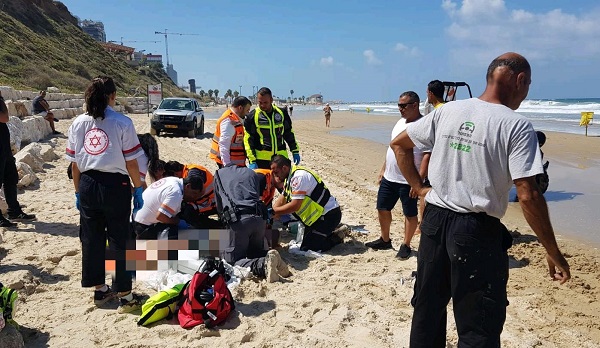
point(177, 104)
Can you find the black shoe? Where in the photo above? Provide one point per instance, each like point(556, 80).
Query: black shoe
point(101, 297)
point(56, 132)
point(379, 244)
point(55, 119)
point(404, 252)
point(21, 217)
point(6, 223)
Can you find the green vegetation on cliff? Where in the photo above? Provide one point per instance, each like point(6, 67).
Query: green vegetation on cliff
point(41, 46)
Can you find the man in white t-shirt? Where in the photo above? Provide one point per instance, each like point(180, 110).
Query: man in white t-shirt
point(393, 185)
point(306, 196)
point(162, 203)
point(480, 147)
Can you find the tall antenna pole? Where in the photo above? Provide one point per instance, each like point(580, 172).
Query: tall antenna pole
point(167, 47)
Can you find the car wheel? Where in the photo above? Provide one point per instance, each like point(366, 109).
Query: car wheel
point(201, 129)
point(192, 133)
point(154, 132)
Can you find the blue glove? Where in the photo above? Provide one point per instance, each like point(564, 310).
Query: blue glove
point(77, 204)
point(182, 224)
point(270, 213)
point(296, 158)
point(138, 201)
point(253, 165)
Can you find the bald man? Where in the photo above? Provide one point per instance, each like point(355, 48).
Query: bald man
point(480, 147)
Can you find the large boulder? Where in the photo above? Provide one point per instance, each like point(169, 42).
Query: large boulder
point(15, 127)
point(35, 128)
point(10, 337)
point(31, 154)
point(26, 175)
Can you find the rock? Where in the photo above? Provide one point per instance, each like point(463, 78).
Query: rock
point(11, 337)
point(15, 127)
point(47, 153)
point(53, 90)
point(31, 154)
point(26, 175)
point(35, 128)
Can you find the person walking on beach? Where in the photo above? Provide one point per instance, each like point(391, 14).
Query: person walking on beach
point(393, 186)
point(478, 146)
point(328, 111)
point(42, 108)
point(228, 141)
point(9, 177)
point(103, 147)
point(268, 128)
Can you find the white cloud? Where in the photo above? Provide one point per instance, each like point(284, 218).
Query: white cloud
point(483, 29)
point(371, 58)
point(411, 51)
point(326, 61)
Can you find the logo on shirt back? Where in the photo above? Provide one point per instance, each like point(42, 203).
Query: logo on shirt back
point(96, 141)
point(466, 129)
point(158, 183)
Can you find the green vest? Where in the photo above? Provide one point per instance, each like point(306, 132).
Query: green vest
point(313, 204)
point(160, 306)
point(7, 303)
point(270, 133)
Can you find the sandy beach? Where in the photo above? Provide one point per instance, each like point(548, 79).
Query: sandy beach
point(351, 297)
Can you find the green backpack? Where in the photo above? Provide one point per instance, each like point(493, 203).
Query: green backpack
point(7, 303)
point(160, 306)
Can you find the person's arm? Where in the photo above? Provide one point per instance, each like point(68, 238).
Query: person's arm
point(403, 146)
point(249, 135)
point(288, 133)
point(161, 217)
point(287, 208)
point(535, 211)
point(381, 172)
point(134, 172)
point(424, 165)
point(45, 105)
point(76, 176)
point(227, 133)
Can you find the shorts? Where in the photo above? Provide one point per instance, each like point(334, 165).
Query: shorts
point(389, 193)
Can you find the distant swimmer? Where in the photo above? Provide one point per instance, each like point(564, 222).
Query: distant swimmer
point(327, 110)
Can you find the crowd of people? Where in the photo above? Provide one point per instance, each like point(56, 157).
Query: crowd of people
point(460, 160)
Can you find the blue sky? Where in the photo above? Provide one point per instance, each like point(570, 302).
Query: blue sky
point(356, 50)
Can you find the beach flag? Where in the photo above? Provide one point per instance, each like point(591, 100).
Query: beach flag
point(586, 119)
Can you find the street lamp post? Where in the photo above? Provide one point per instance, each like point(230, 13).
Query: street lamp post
point(240, 89)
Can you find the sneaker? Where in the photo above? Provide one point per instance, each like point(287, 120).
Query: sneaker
point(6, 223)
point(404, 252)
point(130, 306)
point(55, 119)
point(56, 132)
point(274, 266)
point(379, 244)
point(21, 216)
point(101, 297)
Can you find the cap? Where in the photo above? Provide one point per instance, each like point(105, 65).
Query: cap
point(196, 178)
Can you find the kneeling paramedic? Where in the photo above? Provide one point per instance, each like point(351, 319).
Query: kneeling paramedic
point(306, 196)
point(244, 214)
point(162, 203)
point(197, 212)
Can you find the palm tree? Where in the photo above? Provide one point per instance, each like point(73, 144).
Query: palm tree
point(210, 93)
point(202, 93)
point(216, 91)
point(236, 94)
point(303, 98)
point(292, 93)
point(229, 94)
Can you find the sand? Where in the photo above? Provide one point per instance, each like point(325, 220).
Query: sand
point(352, 297)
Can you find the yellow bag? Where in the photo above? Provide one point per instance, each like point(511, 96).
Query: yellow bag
point(160, 306)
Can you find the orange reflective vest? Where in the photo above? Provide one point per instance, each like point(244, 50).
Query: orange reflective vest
point(206, 203)
point(237, 154)
point(269, 192)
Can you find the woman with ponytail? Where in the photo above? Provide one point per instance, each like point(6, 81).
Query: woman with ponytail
point(103, 147)
point(149, 161)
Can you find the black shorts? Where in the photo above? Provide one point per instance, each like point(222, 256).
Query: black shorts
point(389, 193)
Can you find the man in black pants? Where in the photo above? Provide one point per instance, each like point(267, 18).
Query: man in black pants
point(239, 205)
point(9, 177)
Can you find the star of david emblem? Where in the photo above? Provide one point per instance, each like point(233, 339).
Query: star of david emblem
point(95, 141)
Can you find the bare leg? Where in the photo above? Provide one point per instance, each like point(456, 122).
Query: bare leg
point(410, 225)
point(385, 221)
point(50, 119)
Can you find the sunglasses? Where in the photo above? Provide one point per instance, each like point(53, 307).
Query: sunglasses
point(403, 105)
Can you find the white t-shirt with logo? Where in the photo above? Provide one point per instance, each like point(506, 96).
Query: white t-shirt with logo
point(392, 172)
point(478, 149)
point(164, 196)
point(103, 144)
point(303, 183)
